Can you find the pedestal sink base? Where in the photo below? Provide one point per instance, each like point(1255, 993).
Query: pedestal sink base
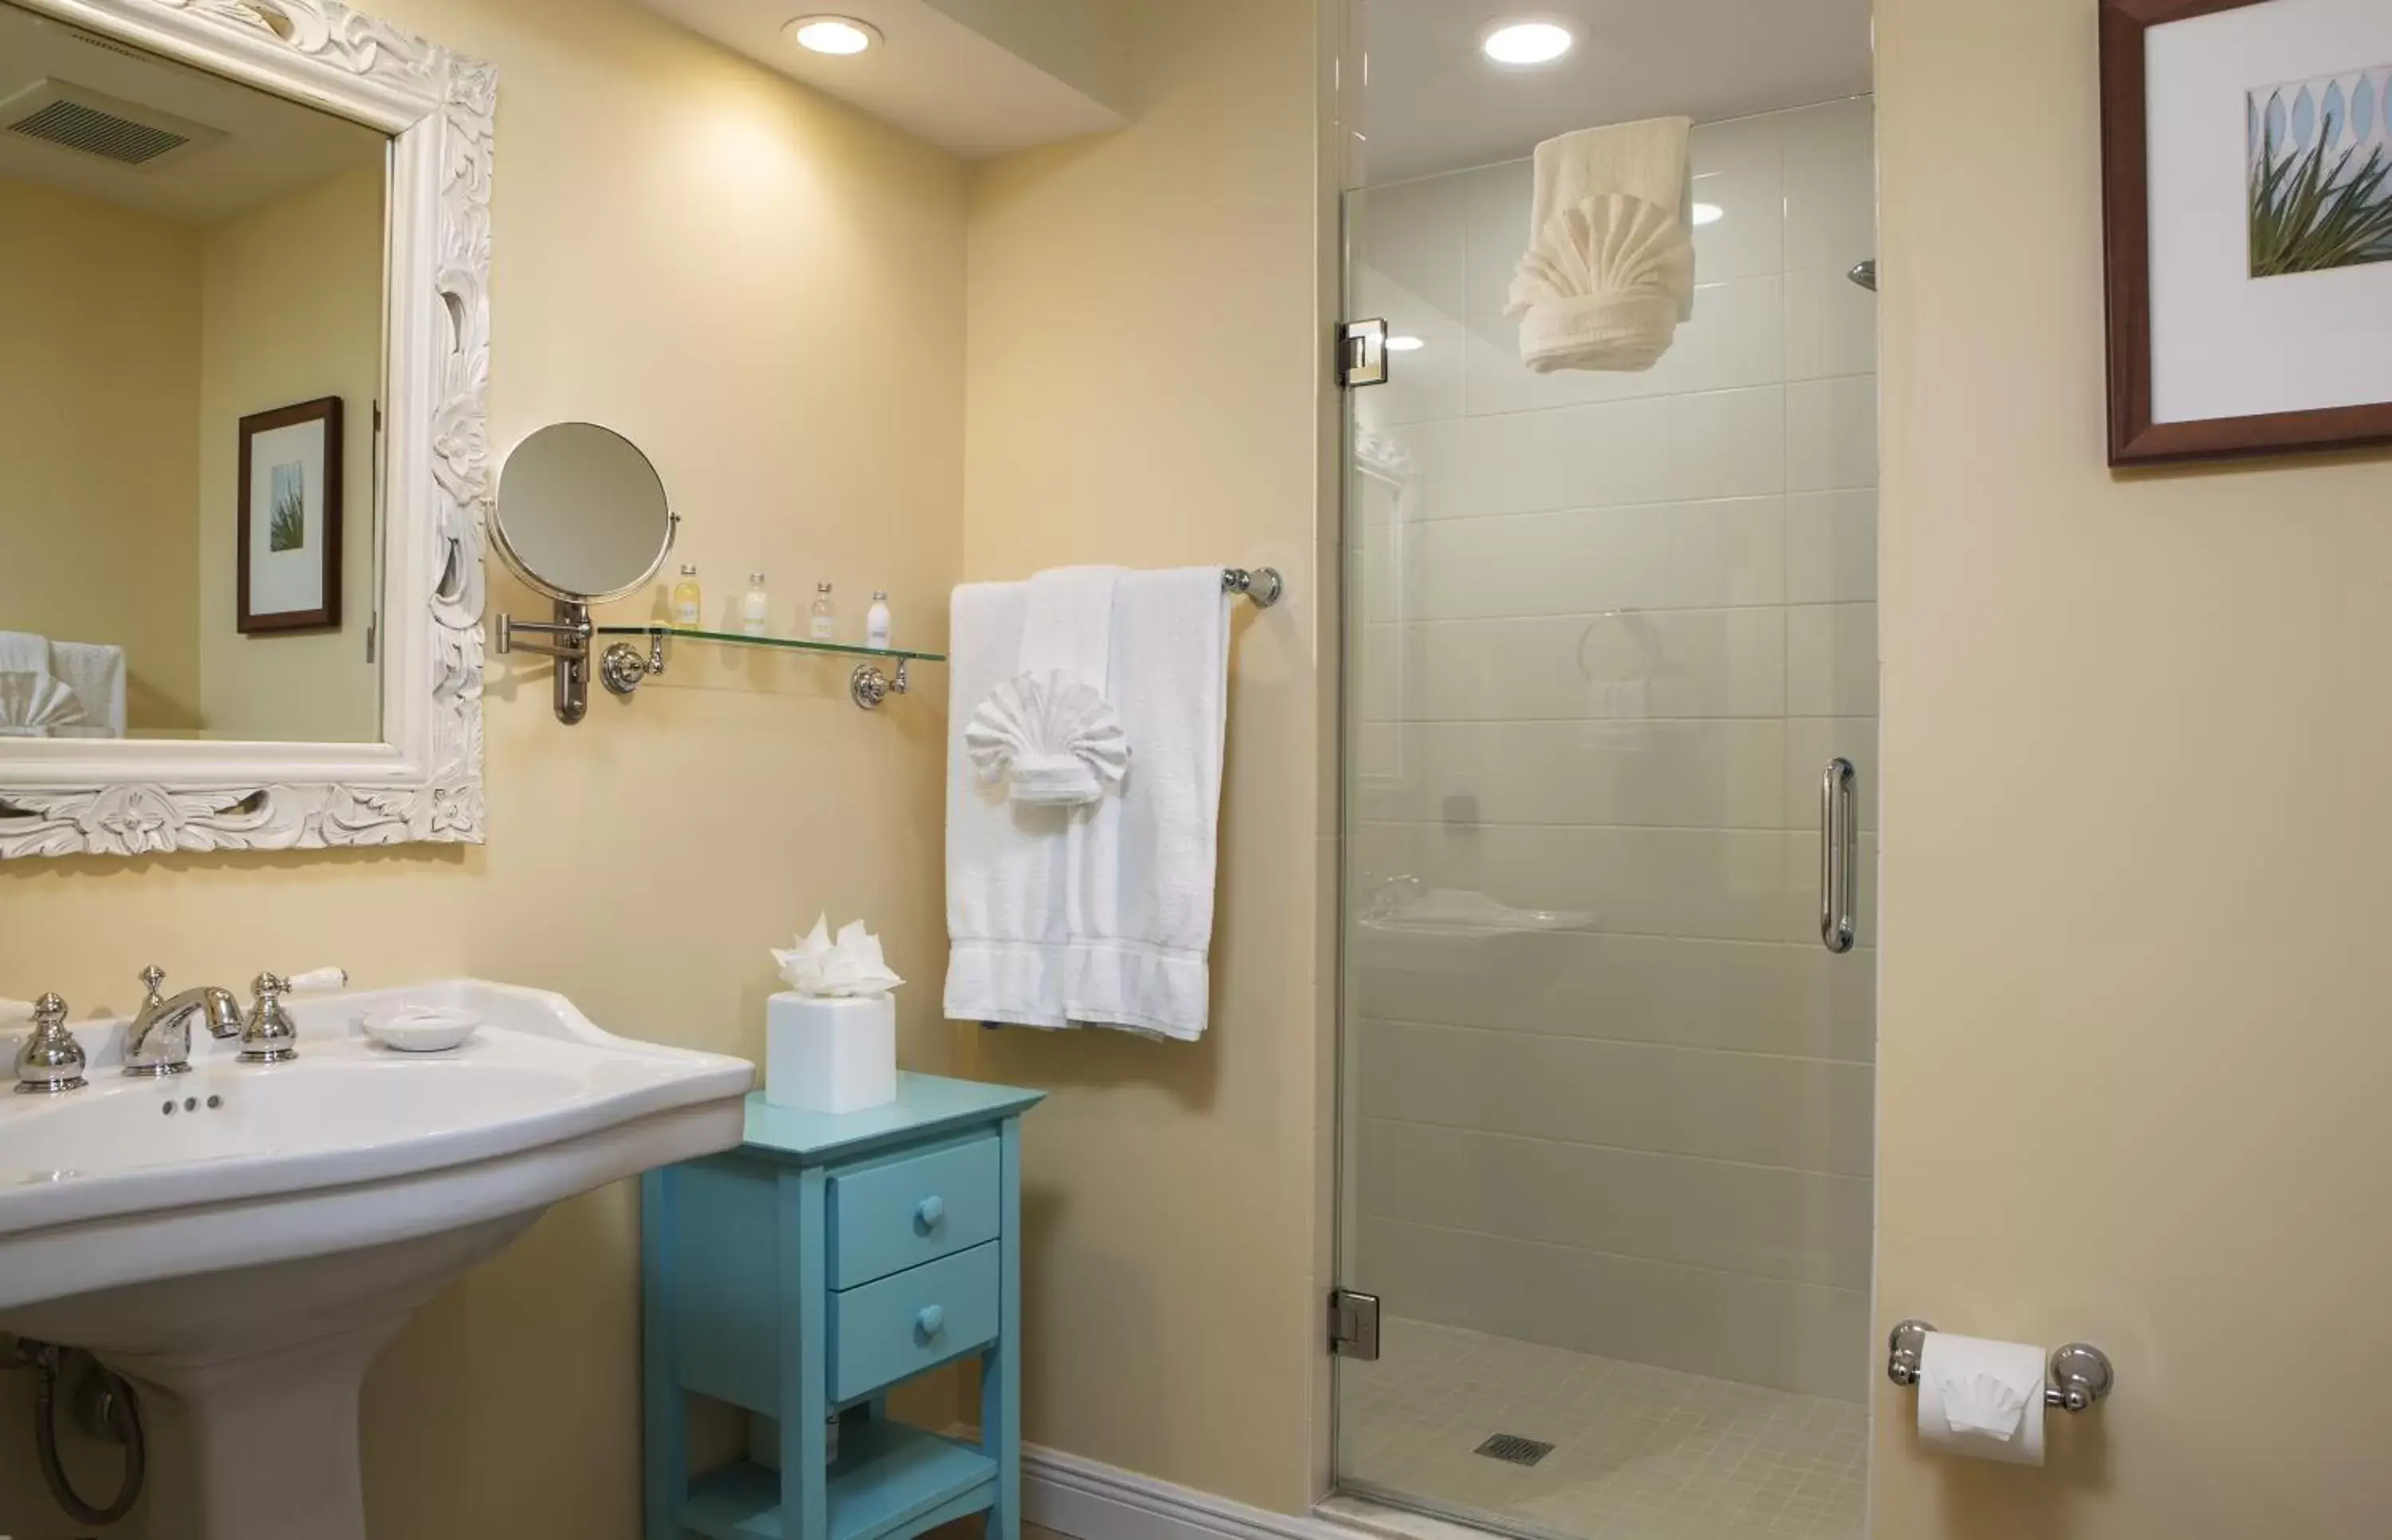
point(262, 1446)
point(248, 1379)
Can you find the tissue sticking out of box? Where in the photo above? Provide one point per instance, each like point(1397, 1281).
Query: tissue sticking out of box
point(847, 968)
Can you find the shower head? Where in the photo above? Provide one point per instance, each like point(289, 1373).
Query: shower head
point(1865, 273)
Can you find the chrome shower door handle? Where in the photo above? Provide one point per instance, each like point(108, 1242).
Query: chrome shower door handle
point(1839, 856)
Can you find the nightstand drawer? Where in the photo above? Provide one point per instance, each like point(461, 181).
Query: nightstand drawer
point(885, 1219)
point(900, 1325)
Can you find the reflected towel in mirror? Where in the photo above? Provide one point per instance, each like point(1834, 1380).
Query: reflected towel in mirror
point(35, 705)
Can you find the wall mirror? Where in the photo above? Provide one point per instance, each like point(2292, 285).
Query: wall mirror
point(582, 517)
point(242, 401)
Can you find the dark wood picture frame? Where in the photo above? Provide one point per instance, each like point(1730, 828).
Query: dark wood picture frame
point(327, 617)
point(2134, 439)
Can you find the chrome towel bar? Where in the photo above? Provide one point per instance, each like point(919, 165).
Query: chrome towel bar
point(1262, 585)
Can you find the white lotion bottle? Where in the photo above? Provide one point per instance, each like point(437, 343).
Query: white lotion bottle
point(756, 609)
point(876, 620)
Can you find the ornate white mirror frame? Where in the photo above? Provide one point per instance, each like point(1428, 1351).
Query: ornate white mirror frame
point(424, 781)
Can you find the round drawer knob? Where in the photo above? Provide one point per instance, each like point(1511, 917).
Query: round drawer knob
point(929, 1212)
point(930, 1322)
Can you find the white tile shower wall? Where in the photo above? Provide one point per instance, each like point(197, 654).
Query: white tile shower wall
point(1610, 628)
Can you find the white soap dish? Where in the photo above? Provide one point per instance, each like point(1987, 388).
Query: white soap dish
point(417, 1028)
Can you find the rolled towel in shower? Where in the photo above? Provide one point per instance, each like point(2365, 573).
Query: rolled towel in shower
point(1609, 271)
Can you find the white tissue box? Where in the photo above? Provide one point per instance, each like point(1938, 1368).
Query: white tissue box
point(826, 1054)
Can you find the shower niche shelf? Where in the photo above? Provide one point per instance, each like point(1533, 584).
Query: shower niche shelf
point(623, 667)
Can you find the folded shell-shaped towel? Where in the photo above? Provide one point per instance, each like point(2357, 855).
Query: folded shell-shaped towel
point(1602, 285)
point(33, 706)
point(1052, 740)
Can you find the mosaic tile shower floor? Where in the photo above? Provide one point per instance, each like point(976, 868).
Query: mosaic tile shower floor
point(1639, 1453)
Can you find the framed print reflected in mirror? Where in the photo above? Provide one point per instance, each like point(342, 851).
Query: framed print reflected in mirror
point(290, 523)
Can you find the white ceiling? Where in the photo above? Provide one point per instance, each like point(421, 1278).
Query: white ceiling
point(271, 146)
point(1434, 103)
point(975, 77)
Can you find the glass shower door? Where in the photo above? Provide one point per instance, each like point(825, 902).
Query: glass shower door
point(1606, 1097)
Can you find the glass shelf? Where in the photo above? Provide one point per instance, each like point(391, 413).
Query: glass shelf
point(784, 643)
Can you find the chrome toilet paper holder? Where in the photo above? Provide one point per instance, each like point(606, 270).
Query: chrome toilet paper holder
point(2081, 1374)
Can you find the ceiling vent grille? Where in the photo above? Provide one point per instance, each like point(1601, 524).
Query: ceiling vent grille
point(75, 126)
point(73, 117)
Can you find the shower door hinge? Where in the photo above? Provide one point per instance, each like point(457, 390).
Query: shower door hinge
point(1362, 353)
point(1353, 1324)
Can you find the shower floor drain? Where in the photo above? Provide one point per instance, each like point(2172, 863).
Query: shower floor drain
point(1512, 1449)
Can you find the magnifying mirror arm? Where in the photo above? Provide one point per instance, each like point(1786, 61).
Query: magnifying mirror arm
point(571, 651)
point(572, 626)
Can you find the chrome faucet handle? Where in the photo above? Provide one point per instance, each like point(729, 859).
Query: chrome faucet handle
point(267, 1034)
point(152, 977)
point(50, 1059)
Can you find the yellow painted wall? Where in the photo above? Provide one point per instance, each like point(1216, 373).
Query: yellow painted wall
point(1144, 387)
point(2134, 1058)
point(99, 432)
point(290, 310)
point(765, 290)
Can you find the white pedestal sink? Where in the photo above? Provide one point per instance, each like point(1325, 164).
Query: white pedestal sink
point(244, 1255)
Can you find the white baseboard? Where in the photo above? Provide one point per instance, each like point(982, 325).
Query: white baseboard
point(1091, 1500)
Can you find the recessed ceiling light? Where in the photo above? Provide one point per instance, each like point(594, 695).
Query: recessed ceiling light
point(1709, 213)
point(1405, 345)
point(1523, 42)
point(833, 34)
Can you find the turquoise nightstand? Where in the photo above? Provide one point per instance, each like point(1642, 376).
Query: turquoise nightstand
point(829, 1258)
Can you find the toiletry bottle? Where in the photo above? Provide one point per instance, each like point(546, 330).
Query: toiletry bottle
point(756, 610)
point(688, 603)
point(826, 620)
point(876, 620)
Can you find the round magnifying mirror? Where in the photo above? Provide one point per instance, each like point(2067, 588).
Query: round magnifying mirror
point(581, 514)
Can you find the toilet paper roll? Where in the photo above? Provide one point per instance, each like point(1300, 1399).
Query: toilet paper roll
point(1981, 1398)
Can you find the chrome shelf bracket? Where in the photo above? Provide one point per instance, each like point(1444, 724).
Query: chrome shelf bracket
point(869, 687)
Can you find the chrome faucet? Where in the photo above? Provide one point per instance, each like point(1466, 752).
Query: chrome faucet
point(159, 1042)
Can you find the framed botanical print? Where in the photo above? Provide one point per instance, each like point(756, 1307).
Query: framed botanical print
point(289, 519)
point(2247, 171)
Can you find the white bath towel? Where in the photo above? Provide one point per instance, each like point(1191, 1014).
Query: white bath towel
point(36, 706)
point(1049, 733)
point(1101, 915)
point(1067, 626)
point(1609, 271)
point(1143, 868)
point(40, 698)
point(1007, 926)
point(94, 671)
point(23, 652)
